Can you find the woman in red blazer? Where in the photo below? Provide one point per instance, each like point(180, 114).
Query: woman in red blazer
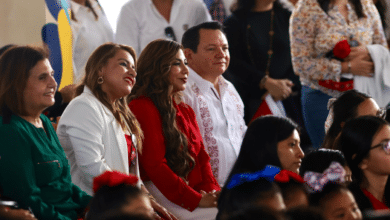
point(174, 164)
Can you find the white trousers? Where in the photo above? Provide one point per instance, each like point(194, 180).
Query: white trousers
point(180, 212)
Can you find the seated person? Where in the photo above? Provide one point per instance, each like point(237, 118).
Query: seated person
point(319, 160)
point(293, 189)
point(251, 189)
point(174, 164)
point(329, 194)
point(97, 130)
point(223, 128)
point(351, 104)
point(254, 212)
point(34, 170)
point(365, 144)
point(116, 192)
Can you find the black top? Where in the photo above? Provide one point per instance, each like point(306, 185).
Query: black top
point(249, 47)
point(361, 199)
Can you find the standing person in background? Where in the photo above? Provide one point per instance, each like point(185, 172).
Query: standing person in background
point(316, 27)
point(142, 21)
point(174, 164)
point(218, 107)
point(260, 56)
point(34, 170)
point(90, 29)
point(383, 7)
point(217, 9)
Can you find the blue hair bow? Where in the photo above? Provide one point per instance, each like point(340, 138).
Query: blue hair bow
point(267, 173)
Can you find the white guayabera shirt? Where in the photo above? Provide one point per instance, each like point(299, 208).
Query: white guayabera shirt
point(221, 121)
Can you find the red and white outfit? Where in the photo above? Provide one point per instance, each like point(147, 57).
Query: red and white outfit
point(179, 196)
point(221, 121)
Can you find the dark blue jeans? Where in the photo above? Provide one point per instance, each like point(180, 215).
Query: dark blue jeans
point(315, 112)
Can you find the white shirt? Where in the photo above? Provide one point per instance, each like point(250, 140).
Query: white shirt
point(220, 119)
point(228, 4)
point(88, 34)
point(139, 21)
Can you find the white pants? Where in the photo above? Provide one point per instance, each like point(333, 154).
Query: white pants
point(180, 212)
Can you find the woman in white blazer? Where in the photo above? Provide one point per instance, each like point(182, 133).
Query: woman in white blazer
point(97, 129)
point(93, 126)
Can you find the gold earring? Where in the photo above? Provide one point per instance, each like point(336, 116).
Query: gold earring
point(100, 80)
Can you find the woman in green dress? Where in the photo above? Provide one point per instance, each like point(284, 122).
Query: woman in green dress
point(34, 170)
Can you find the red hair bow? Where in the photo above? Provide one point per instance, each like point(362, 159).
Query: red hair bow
point(113, 178)
point(285, 176)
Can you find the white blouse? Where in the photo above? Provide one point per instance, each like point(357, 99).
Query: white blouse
point(88, 34)
point(139, 21)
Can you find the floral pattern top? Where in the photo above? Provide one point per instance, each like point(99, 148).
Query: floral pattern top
point(313, 33)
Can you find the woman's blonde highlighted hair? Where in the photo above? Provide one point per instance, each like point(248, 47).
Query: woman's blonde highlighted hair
point(119, 108)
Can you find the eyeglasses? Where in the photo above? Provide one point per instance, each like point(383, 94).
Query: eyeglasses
point(384, 145)
point(170, 33)
point(381, 113)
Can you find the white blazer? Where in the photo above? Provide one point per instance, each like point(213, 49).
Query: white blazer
point(93, 141)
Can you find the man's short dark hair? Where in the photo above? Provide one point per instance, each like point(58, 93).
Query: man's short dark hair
point(191, 36)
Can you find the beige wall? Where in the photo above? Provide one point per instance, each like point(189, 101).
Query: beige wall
point(21, 21)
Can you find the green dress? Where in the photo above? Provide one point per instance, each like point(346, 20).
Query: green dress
point(35, 172)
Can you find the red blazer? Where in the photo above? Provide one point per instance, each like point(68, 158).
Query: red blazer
point(153, 164)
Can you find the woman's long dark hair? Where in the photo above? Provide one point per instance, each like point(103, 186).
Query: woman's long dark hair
point(357, 4)
point(259, 147)
point(319, 160)
point(344, 109)
point(355, 142)
point(244, 196)
point(154, 66)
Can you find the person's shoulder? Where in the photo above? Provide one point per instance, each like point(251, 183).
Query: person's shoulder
point(232, 88)
point(16, 127)
point(45, 119)
point(367, 2)
point(84, 99)
point(306, 5)
point(186, 109)
point(238, 14)
point(142, 103)
point(6, 126)
point(141, 100)
point(135, 4)
point(84, 105)
point(285, 6)
point(363, 202)
point(193, 3)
